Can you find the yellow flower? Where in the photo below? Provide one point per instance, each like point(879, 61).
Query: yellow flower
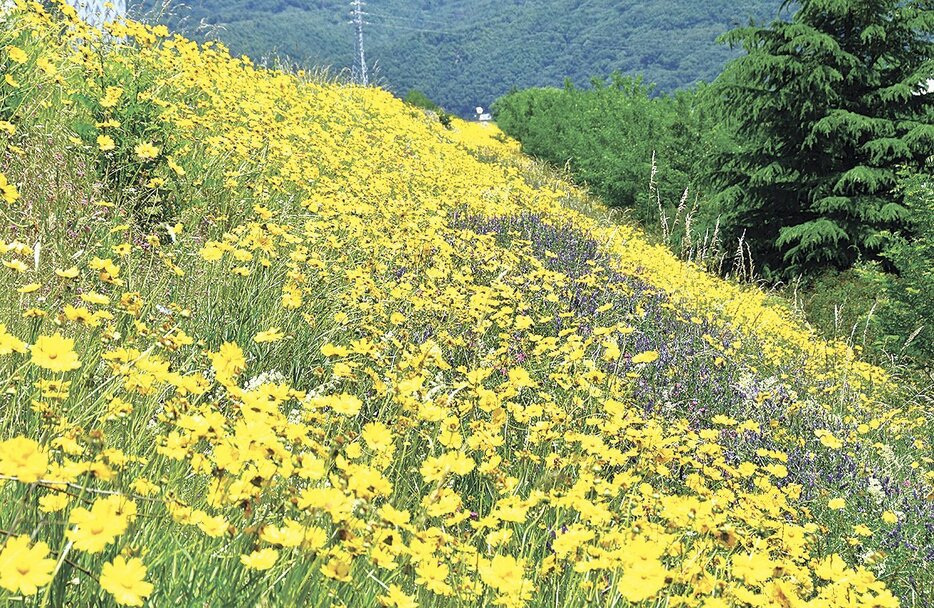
point(753, 568)
point(10, 343)
point(106, 143)
point(889, 517)
point(345, 404)
point(95, 529)
point(111, 97)
point(92, 297)
point(612, 351)
point(123, 249)
point(828, 440)
point(24, 459)
point(16, 54)
point(9, 191)
point(503, 573)
point(212, 251)
point(831, 568)
point(436, 468)
point(519, 378)
point(647, 357)
point(125, 580)
point(290, 535)
point(146, 151)
point(213, 526)
point(262, 559)
point(228, 361)
point(142, 485)
point(273, 334)
point(723, 420)
point(836, 504)
point(23, 569)
point(174, 166)
point(642, 580)
point(377, 436)
point(55, 353)
point(331, 350)
point(337, 568)
point(431, 574)
point(30, 288)
point(70, 273)
point(17, 265)
point(393, 515)
point(778, 470)
point(396, 598)
point(53, 503)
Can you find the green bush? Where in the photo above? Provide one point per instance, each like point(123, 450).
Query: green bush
point(847, 306)
point(615, 137)
point(418, 99)
point(909, 313)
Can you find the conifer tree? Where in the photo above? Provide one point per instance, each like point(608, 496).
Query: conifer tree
point(822, 110)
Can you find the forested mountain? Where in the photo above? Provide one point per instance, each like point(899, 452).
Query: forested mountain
point(464, 53)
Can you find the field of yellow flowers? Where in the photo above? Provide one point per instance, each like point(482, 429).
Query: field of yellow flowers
point(269, 341)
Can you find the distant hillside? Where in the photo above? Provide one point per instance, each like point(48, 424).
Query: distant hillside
point(467, 53)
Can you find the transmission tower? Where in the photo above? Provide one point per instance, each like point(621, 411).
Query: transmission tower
point(358, 22)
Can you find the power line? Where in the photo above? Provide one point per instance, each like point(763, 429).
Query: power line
point(408, 18)
point(382, 20)
point(410, 29)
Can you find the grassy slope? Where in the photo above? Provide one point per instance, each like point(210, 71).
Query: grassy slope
point(557, 412)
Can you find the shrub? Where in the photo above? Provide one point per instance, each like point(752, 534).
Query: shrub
point(847, 306)
point(616, 138)
point(418, 99)
point(909, 313)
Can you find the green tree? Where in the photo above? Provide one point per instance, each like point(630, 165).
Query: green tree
point(823, 109)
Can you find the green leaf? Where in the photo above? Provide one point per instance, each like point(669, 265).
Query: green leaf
point(862, 178)
point(809, 241)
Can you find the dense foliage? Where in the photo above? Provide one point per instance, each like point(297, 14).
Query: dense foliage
point(885, 308)
point(465, 54)
point(608, 135)
point(909, 312)
point(824, 109)
point(418, 99)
